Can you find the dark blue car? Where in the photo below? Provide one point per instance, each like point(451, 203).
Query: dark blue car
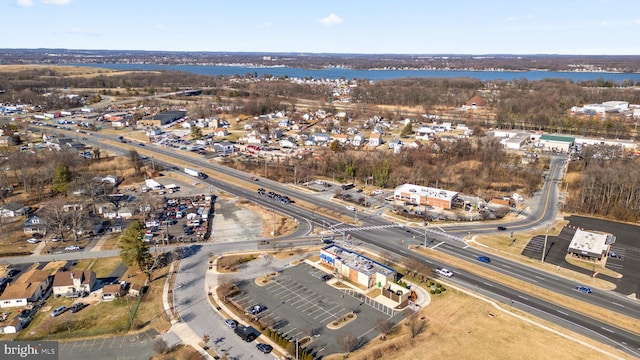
point(484, 259)
point(583, 289)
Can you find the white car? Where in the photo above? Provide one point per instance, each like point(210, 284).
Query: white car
point(72, 248)
point(56, 238)
point(33, 241)
point(351, 208)
point(444, 272)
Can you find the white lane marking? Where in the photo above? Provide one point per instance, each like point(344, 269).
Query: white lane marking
point(466, 246)
point(562, 312)
point(435, 246)
point(488, 284)
point(522, 297)
point(507, 266)
point(605, 329)
point(615, 303)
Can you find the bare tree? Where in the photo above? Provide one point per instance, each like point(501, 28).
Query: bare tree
point(384, 326)
point(349, 343)
point(160, 346)
point(416, 325)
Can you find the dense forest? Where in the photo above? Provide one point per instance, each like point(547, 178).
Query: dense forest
point(607, 188)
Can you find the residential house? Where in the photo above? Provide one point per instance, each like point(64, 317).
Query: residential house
point(11, 209)
point(224, 147)
point(358, 140)
point(73, 283)
point(283, 122)
point(288, 143)
point(35, 225)
point(322, 137)
point(111, 292)
point(375, 139)
point(30, 287)
point(342, 138)
point(395, 144)
point(113, 212)
point(275, 133)
point(474, 102)
point(256, 138)
point(6, 140)
point(135, 290)
point(220, 132)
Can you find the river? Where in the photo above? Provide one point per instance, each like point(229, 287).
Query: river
point(338, 73)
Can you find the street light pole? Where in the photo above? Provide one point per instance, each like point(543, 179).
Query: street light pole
point(425, 234)
point(544, 248)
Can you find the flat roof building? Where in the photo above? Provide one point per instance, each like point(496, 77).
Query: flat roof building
point(590, 245)
point(356, 267)
point(163, 119)
point(556, 143)
point(423, 195)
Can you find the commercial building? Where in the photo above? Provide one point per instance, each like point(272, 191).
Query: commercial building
point(164, 119)
point(356, 267)
point(590, 245)
point(422, 195)
point(556, 143)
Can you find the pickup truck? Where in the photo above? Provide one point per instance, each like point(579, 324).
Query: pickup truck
point(444, 272)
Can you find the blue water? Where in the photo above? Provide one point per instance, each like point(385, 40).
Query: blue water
point(336, 73)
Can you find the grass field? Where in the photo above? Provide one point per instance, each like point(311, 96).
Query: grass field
point(460, 326)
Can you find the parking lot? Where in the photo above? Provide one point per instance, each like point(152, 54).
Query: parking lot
point(299, 303)
point(627, 253)
point(121, 347)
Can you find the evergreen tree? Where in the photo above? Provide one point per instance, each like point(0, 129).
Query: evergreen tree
point(133, 249)
point(61, 179)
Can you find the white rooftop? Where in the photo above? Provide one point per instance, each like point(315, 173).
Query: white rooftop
point(427, 191)
point(592, 243)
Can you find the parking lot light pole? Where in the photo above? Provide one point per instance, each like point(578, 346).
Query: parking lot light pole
point(544, 248)
point(425, 234)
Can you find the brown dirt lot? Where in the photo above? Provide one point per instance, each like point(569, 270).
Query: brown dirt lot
point(459, 327)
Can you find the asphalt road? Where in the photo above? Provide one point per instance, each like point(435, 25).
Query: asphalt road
point(544, 209)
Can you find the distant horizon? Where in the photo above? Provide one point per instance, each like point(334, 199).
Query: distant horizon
point(560, 27)
point(301, 53)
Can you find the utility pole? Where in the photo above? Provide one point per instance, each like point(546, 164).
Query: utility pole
point(274, 223)
point(544, 249)
point(425, 234)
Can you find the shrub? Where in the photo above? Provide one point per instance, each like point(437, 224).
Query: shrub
point(432, 291)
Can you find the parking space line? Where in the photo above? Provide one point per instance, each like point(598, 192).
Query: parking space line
point(103, 341)
point(91, 346)
point(123, 339)
point(112, 342)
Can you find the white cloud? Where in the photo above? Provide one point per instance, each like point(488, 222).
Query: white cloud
point(24, 3)
point(56, 2)
point(637, 21)
point(332, 19)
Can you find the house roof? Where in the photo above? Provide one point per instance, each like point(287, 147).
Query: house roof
point(65, 278)
point(18, 291)
point(111, 288)
point(12, 206)
point(33, 275)
point(475, 101)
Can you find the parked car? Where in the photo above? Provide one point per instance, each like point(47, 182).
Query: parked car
point(444, 272)
point(327, 239)
point(77, 307)
point(72, 248)
point(59, 310)
point(258, 309)
point(33, 241)
point(484, 259)
point(231, 323)
point(351, 208)
point(326, 277)
point(583, 289)
point(13, 272)
point(502, 228)
point(264, 348)
point(56, 238)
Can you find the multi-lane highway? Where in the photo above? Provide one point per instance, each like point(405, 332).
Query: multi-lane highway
point(542, 210)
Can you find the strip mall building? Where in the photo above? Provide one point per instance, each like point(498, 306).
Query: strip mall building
point(423, 195)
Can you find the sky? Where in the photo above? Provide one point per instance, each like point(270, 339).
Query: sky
point(583, 27)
